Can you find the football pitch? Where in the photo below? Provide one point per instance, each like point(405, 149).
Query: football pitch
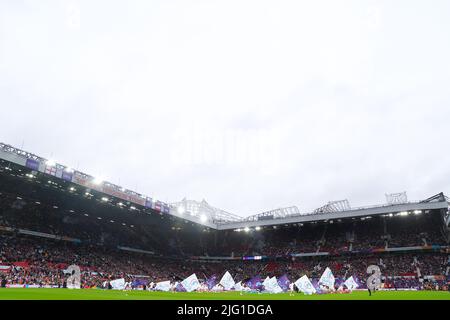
point(96, 294)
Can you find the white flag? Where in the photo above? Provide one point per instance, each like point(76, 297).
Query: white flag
point(227, 281)
point(190, 283)
point(163, 286)
point(273, 286)
point(265, 281)
point(304, 285)
point(238, 286)
point(118, 284)
point(351, 284)
point(327, 278)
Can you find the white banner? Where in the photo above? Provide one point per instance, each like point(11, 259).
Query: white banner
point(351, 284)
point(238, 286)
point(190, 283)
point(265, 281)
point(118, 284)
point(327, 278)
point(304, 285)
point(273, 286)
point(163, 286)
point(5, 268)
point(15, 286)
point(227, 281)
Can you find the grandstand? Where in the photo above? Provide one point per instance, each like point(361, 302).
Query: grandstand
point(52, 216)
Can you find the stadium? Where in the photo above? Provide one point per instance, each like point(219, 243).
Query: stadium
point(63, 229)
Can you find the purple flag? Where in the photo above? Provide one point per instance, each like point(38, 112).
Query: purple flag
point(180, 288)
point(139, 282)
point(284, 282)
point(315, 283)
point(255, 283)
point(338, 282)
point(360, 284)
point(211, 282)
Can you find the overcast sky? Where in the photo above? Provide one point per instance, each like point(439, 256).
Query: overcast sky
point(251, 105)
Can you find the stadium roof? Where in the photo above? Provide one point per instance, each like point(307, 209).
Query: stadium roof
point(202, 213)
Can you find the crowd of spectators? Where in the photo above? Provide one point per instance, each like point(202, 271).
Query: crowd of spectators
point(343, 237)
point(36, 261)
point(350, 235)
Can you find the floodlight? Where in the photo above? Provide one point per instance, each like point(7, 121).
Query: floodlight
point(97, 181)
point(180, 210)
point(246, 229)
point(203, 218)
point(258, 228)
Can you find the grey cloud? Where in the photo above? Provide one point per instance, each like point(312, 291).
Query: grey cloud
point(355, 99)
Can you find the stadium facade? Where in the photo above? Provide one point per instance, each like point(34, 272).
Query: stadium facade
point(204, 214)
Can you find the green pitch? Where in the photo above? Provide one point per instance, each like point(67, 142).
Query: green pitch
point(95, 294)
